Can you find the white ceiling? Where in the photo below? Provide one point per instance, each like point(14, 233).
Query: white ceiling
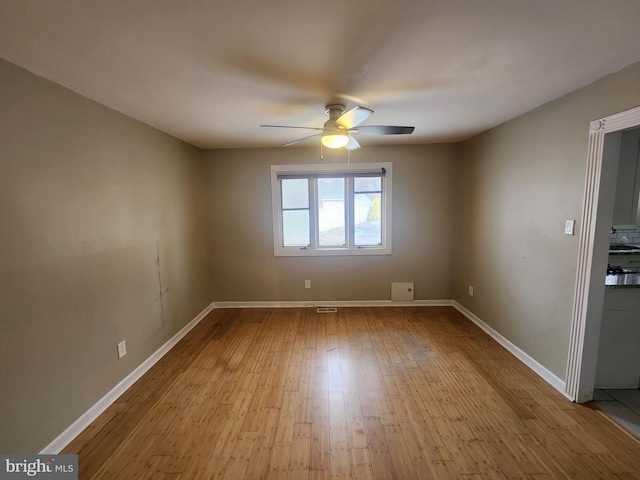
point(211, 71)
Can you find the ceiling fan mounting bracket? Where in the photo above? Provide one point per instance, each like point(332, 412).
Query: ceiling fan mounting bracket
point(334, 110)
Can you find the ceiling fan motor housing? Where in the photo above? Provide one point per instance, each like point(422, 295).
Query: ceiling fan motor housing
point(335, 110)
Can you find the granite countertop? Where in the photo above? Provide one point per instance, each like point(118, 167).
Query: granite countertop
point(623, 280)
point(624, 249)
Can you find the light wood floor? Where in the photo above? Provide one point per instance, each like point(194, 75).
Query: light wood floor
point(365, 393)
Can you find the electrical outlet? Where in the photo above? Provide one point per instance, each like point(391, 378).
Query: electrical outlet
point(122, 349)
point(470, 291)
point(307, 284)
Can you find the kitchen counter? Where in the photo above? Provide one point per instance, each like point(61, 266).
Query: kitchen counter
point(625, 280)
point(624, 249)
point(623, 270)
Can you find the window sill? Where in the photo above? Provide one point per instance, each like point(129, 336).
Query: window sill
point(331, 252)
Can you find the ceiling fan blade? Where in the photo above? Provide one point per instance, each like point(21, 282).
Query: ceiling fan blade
point(353, 117)
point(301, 139)
point(383, 130)
point(289, 126)
point(353, 144)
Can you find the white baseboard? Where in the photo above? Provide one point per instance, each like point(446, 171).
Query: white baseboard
point(530, 362)
point(90, 415)
point(340, 303)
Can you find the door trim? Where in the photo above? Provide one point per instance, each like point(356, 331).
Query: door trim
point(589, 289)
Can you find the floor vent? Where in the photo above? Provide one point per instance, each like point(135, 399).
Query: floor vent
point(326, 310)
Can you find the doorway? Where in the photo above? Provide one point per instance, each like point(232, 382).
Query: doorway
point(593, 257)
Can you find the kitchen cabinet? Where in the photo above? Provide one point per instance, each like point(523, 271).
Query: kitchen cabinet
point(618, 354)
point(626, 211)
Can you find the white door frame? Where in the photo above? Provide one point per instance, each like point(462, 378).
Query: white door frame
point(592, 258)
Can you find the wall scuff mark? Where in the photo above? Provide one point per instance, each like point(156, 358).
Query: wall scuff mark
point(162, 292)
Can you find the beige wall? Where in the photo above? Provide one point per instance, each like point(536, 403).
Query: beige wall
point(519, 183)
point(425, 182)
point(90, 200)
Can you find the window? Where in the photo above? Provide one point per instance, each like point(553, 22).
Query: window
point(330, 209)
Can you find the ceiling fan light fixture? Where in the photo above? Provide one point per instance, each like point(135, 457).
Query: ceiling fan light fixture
point(335, 139)
point(336, 131)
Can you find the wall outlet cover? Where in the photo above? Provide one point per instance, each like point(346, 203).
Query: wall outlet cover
point(402, 291)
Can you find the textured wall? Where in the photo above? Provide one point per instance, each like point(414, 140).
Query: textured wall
point(519, 183)
point(425, 182)
point(97, 211)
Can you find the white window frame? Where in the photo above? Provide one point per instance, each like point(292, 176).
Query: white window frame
point(310, 170)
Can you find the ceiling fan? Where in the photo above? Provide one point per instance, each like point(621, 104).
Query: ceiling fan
point(337, 131)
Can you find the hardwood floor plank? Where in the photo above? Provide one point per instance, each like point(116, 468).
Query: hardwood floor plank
point(299, 463)
point(401, 460)
point(361, 464)
point(319, 456)
point(381, 463)
point(340, 463)
point(194, 447)
point(355, 421)
point(364, 393)
point(239, 461)
point(221, 452)
point(262, 449)
point(279, 464)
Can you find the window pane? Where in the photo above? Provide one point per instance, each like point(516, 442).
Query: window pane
point(331, 214)
point(331, 209)
point(367, 184)
point(295, 228)
point(295, 193)
point(368, 225)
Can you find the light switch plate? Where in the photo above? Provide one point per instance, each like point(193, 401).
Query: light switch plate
point(568, 227)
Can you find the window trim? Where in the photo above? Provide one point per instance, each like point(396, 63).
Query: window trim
point(318, 170)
